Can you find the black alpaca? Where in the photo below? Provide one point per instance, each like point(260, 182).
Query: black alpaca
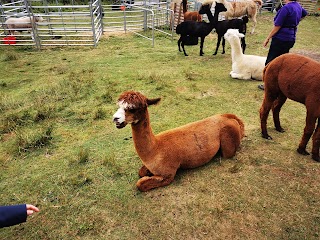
point(192, 29)
point(223, 26)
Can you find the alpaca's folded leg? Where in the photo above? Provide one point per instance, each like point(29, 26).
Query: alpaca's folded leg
point(144, 171)
point(240, 76)
point(147, 183)
point(230, 138)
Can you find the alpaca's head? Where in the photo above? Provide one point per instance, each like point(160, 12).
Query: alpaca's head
point(233, 34)
point(38, 19)
point(206, 6)
point(132, 108)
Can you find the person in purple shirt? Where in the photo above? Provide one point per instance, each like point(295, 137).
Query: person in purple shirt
point(283, 33)
point(15, 214)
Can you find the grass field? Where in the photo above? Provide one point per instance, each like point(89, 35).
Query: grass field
point(59, 149)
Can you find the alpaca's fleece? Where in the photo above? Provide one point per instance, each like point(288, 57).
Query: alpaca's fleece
point(243, 66)
point(21, 23)
point(188, 146)
point(241, 8)
point(298, 78)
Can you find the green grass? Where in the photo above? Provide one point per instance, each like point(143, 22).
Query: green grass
point(61, 151)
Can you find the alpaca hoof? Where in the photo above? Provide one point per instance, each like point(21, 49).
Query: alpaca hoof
point(316, 158)
point(280, 129)
point(302, 151)
point(267, 136)
point(214, 53)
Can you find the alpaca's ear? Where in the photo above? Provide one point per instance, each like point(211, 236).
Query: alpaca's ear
point(241, 35)
point(153, 101)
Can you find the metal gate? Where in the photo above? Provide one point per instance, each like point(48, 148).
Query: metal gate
point(51, 25)
point(81, 25)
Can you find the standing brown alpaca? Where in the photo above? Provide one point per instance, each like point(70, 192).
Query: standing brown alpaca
point(188, 146)
point(297, 78)
point(190, 16)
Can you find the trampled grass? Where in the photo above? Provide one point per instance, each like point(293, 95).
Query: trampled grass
point(61, 151)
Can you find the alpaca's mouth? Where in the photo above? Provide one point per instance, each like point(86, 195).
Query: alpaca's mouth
point(121, 125)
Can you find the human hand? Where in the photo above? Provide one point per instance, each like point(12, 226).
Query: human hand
point(265, 43)
point(31, 209)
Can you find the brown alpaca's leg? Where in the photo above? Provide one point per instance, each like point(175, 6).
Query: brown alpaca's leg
point(230, 138)
point(276, 107)
point(144, 171)
point(308, 130)
point(316, 143)
point(264, 113)
point(147, 183)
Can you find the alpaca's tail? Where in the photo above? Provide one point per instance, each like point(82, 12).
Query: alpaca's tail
point(263, 74)
point(240, 122)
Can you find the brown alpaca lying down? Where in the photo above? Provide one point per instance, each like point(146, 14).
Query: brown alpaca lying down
point(297, 78)
point(188, 146)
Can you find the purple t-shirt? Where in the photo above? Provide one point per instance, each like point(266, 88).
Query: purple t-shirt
point(288, 17)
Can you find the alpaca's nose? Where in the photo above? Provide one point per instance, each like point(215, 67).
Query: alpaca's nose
point(115, 119)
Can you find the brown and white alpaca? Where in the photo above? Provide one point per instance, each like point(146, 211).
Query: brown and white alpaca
point(241, 8)
point(298, 78)
point(192, 15)
point(188, 146)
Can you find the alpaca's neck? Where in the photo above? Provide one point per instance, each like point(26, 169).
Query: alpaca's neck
point(236, 51)
point(143, 137)
point(213, 19)
point(184, 6)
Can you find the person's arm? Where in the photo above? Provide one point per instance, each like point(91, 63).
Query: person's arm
point(304, 13)
point(274, 30)
point(12, 215)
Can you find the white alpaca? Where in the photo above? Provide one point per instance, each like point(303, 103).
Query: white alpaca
point(243, 66)
point(13, 24)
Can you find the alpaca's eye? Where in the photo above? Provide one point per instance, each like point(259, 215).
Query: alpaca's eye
point(132, 110)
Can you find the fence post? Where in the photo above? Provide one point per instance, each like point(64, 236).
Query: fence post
point(33, 24)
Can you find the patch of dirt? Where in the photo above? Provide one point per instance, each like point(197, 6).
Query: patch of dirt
point(114, 33)
point(315, 56)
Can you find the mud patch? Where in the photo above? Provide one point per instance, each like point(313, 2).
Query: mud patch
point(315, 56)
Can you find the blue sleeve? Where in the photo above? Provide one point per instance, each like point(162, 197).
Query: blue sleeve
point(12, 215)
point(281, 16)
point(304, 13)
